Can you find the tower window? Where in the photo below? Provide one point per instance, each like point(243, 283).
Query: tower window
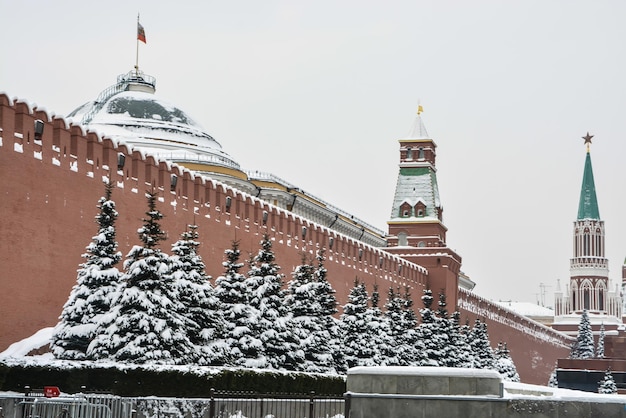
point(420, 155)
point(586, 298)
point(409, 153)
point(601, 300)
point(402, 239)
point(420, 209)
point(405, 210)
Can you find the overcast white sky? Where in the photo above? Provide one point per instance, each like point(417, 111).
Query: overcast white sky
point(318, 93)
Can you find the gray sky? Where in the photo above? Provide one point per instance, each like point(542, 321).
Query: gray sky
point(318, 93)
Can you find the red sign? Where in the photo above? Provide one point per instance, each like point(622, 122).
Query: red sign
point(51, 391)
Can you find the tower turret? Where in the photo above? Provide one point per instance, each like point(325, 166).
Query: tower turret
point(416, 228)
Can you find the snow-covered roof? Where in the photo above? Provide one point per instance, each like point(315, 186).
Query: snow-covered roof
point(130, 112)
point(418, 130)
point(416, 184)
point(526, 308)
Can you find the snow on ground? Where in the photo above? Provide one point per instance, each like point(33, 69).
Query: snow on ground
point(25, 346)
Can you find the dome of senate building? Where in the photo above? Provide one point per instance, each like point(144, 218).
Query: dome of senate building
point(130, 112)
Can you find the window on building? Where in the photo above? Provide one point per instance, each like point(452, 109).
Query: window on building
point(586, 299)
point(601, 300)
point(402, 239)
point(420, 155)
point(586, 294)
point(409, 153)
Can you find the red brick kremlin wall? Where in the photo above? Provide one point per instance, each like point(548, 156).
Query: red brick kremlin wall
point(49, 191)
point(48, 195)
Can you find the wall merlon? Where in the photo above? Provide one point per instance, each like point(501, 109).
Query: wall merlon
point(77, 130)
point(5, 101)
point(59, 123)
point(42, 115)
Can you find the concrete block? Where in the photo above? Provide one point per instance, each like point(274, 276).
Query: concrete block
point(410, 385)
point(488, 386)
point(359, 383)
point(436, 385)
point(462, 386)
point(441, 408)
point(384, 384)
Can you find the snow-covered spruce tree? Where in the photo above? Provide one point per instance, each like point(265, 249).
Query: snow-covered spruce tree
point(607, 384)
point(267, 297)
point(412, 336)
point(479, 341)
point(402, 323)
point(379, 328)
point(430, 332)
point(145, 326)
point(239, 317)
point(358, 341)
point(328, 308)
point(96, 286)
point(600, 347)
point(462, 356)
point(195, 301)
point(309, 327)
point(449, 336)
point(584, 347)
point(504, 363)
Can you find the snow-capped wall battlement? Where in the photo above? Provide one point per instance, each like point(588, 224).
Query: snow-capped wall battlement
point(487, 309)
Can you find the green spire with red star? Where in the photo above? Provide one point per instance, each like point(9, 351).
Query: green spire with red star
point(588, 204)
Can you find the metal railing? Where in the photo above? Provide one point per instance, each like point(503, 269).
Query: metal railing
point(251, 405)
point(220, 404)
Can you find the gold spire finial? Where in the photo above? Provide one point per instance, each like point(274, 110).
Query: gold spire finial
point(420, 109)
point(587, 139)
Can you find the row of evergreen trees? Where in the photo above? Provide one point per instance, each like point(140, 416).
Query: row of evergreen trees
point(163, 309)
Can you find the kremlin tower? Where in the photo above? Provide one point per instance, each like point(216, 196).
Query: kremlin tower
point(589, 285)
point(416, 229)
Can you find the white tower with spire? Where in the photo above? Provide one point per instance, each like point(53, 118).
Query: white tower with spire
point(589, 286)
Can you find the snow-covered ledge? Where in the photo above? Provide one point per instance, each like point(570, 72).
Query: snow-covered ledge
point(400, 380)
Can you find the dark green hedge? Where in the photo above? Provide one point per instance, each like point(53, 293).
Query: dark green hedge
point(175, 383)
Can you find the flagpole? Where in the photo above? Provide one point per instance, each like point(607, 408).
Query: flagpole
point(137, 54)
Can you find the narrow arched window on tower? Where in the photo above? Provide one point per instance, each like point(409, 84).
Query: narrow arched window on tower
point(409, 153)
point(586, 298)
point(586, 243)
point(601, 299)
point(420, 155)
point(402, 239)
